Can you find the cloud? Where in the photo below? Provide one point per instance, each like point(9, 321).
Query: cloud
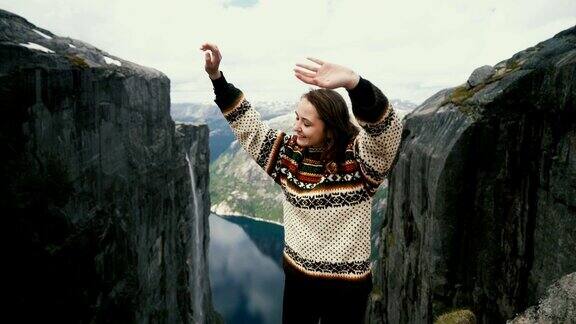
point(410, 48)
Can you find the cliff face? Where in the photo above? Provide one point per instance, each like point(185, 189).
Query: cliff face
point(105, 201)
point(482, 203)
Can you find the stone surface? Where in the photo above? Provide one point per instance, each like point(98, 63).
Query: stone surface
point(480, 75)
point(482, 204)
point(557, 306)
point(105, 224)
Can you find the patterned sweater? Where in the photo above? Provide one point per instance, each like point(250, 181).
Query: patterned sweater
point(327, 211)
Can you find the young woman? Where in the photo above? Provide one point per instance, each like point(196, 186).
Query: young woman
point(329, 171)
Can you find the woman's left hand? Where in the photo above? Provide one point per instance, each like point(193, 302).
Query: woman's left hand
point(327, 75)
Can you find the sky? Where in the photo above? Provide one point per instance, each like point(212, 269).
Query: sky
point(410, 49)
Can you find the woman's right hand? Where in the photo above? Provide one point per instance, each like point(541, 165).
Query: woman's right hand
point(212, 58)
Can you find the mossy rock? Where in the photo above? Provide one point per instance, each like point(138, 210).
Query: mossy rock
point(458, 98)
point(77, 61)
point(510, 66)
point(459, 316)
point(377, 293)
point(460, 94)
point(390, 240)
point(513, 65)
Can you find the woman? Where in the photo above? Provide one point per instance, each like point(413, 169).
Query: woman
point(329, 171)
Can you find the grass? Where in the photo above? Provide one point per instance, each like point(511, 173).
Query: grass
point(459, 316)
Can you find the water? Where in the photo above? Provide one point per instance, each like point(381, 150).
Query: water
point(246, 276)
point(197, 226)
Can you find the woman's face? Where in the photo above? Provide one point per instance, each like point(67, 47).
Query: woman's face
point(308, 126)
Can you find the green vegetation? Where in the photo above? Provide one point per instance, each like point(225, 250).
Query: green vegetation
point(247, 198)
point(460, 316)
point(461, 94)
point(377, 292)
point(511, 66)
point(77, 61)
point(390, 240)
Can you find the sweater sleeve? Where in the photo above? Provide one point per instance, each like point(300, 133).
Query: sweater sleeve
point(260, 141)
point(377, 143)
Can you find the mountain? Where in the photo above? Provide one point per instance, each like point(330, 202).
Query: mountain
point(482, 199)
point(104, 198)
point(238, 186)
point(221, 135)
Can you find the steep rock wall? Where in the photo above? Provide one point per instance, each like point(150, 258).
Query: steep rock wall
point(482, 204)
point(97, 196)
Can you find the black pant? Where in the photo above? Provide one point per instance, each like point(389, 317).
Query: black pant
point(306, 300)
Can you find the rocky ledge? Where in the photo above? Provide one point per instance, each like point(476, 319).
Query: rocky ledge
point(482, 204)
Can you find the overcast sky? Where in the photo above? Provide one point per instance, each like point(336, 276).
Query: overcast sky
point(410, 49)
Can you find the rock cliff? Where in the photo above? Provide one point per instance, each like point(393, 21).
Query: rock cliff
point(104, 199)
point(482, 200)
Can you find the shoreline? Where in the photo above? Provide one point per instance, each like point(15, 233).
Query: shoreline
point(251, 217)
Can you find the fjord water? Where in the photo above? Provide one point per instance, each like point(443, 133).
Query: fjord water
point(246, 277)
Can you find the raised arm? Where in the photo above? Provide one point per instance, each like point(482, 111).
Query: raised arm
point(377, 143)
point(260, 141)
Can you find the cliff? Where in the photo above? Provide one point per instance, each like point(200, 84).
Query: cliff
point(482, 203)
point(105, 201)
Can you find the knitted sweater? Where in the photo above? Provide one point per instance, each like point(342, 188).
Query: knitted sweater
point(326, 211)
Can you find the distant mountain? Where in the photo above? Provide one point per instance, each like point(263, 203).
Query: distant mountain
point(403, 105)
point(206, 112)
point(220, 133)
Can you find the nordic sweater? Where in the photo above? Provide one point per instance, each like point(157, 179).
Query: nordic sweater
point(326, 211)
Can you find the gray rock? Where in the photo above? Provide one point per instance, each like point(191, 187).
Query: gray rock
point(480, 75)
point(482, 204)
point(105, 222)
point(557, 306)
